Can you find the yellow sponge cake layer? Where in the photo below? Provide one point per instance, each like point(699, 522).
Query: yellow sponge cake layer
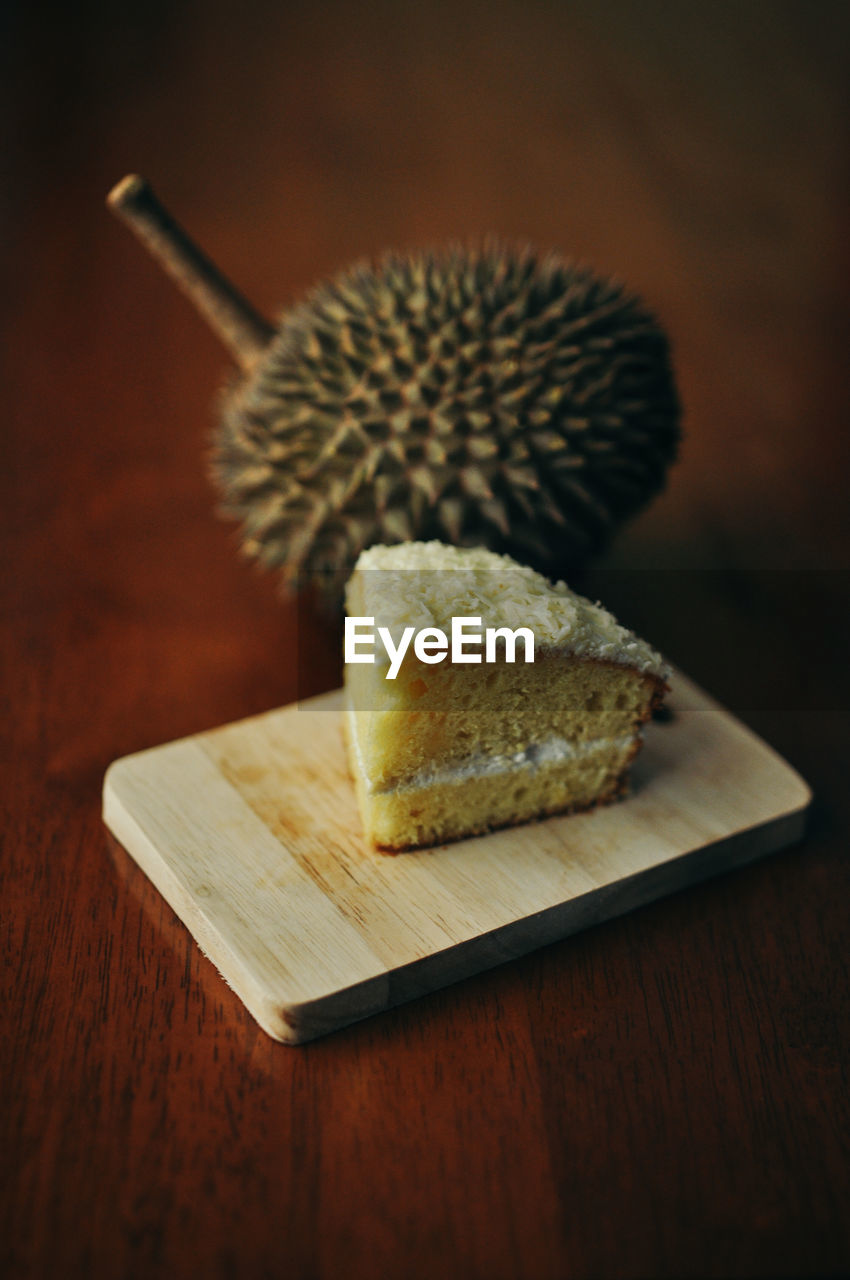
point(449, 713)
point(452, 749)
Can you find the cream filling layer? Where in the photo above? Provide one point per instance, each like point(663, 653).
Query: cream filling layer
point(536, 756)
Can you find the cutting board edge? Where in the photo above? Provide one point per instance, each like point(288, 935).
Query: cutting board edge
point(275, 1013)
point(311, 1019)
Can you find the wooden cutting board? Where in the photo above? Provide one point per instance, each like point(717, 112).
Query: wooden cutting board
point(251, 833)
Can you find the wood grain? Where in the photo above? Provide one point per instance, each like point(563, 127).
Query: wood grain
point(251, 833)
point(664, 1095)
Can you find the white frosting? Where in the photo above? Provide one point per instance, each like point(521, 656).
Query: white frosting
point(534, 757)
point(426, 584)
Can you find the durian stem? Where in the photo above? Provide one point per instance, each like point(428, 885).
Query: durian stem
point(242, 329)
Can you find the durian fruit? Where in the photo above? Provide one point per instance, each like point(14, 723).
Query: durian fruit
point(480, 396)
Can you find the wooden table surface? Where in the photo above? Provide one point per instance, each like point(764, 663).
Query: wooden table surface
point(665, 1095)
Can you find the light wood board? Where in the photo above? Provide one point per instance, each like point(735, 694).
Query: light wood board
point(251, 833)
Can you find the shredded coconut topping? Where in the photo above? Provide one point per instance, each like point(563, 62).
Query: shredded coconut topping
point(426, 584)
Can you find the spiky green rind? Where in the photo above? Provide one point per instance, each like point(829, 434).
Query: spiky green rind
point(484, 397)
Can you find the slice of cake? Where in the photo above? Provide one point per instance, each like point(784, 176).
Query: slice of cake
point(452, 739)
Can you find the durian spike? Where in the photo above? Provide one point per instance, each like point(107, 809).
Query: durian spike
point(231, 317)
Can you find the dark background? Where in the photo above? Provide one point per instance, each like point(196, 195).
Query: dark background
point(663, 1096)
